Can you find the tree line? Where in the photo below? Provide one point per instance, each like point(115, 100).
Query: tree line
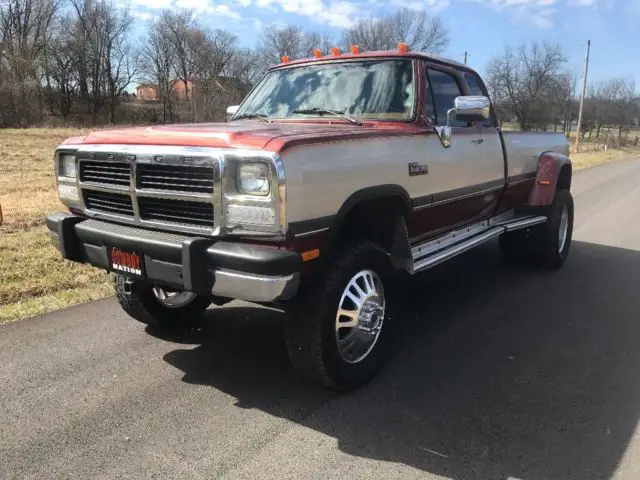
point(76, 61)
point(530, 86)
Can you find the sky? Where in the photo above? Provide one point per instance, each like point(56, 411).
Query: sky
point(481, 27)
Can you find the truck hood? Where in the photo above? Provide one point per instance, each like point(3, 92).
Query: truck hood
point(241, 134)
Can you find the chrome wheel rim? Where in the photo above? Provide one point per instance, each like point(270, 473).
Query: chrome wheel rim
point(563, 230)
point(360, 316)
point(171, 299)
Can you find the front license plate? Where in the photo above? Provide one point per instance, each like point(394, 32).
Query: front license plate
point(126, 262)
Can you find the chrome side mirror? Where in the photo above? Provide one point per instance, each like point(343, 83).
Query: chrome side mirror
point(472, 108)
point(231, 111)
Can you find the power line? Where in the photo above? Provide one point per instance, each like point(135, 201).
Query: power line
point(584, 91)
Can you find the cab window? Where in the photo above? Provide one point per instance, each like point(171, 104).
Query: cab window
point(473, 84)
point(444, 89)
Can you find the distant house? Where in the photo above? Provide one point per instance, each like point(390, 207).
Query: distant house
point(179, 89)
point(147, 91)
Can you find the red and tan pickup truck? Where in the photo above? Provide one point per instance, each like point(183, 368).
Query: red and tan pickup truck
point(335, 176)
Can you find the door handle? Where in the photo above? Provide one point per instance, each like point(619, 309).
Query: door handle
point(478, 141)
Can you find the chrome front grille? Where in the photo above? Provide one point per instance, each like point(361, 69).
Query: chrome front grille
point(114, 203)
point(151, 190)
point(176, 178)
point(111, 173)
point(176, 211)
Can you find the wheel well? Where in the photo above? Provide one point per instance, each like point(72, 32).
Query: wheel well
point(373, 219)
point(564, 179)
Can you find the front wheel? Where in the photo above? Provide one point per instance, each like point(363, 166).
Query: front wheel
point(159, 306)
point(338, 329)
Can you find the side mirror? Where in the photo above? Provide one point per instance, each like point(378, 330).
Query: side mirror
point(231, 111)
point(468, 109)
point(472, 108)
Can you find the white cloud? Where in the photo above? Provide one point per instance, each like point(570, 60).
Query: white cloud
point(197, 5)
point(154, 3)
point(142, 15)
point(336, 13)
point(225, 11)
point(432, 6)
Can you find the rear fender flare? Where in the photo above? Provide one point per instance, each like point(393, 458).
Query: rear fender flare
point(554, 171)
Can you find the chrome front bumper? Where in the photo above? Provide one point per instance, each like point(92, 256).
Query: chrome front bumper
point(201, 265)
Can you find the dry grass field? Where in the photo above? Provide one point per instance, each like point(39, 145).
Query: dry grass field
point(33, 277)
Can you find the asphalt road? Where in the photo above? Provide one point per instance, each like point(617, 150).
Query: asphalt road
point(500, 373)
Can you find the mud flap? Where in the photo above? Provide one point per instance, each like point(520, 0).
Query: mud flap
point(401, 257)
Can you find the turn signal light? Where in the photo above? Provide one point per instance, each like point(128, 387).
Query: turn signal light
point(403, 48)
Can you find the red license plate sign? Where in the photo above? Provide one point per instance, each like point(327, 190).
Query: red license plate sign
point(126, 262)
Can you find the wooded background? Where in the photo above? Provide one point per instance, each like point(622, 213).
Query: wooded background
point(76, 62)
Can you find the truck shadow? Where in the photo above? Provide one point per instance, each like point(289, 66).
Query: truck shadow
point(499, 372)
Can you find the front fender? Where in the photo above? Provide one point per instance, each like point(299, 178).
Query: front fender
point(554, 170)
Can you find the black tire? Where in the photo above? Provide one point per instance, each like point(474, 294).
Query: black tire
point(310, 328)
point(540, 245)
point(546, 239)
point(138, 300)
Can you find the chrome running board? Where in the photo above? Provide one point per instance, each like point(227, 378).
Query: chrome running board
point(434, 252)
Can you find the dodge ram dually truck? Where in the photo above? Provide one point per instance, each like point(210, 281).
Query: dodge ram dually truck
point(336, 176)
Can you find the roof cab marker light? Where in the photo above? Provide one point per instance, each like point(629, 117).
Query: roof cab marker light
point(355, 49)
point(285, 59)
point(317, 53)
point(402, 47)
point(335, 51)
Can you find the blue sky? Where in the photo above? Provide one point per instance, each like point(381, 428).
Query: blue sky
point(481, 27)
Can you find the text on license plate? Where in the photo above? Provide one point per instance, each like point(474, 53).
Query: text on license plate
point(128, 262)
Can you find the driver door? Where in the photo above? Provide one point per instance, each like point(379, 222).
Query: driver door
point(463, 181)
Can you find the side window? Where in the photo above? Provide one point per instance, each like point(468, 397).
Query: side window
point(474, 89)
point(473, 84)
point(444, 90)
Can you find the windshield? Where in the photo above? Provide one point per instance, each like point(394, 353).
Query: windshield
point(375, 89)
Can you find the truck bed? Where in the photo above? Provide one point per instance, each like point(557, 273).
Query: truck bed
point(523, 149)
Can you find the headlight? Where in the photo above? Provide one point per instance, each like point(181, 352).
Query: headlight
point(68, 166)
point(253, 179)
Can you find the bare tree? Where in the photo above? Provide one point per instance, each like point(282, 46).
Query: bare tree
point(521, 80)
point(418, 30)
point(24, 31)
point(216, 54)
point(291, 41)
point(158, 58)
point(183, 32)
point(61, 67)
point(105, 28)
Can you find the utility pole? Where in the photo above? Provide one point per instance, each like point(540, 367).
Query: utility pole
point(584, 92)
point(466, 54)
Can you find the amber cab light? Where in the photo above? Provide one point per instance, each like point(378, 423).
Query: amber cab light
point(335, 51)
point(285, 59)
point(403, 48)
point(317, 53)
point(355, 49)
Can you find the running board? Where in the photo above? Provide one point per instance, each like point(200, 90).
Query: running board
point(434, 252)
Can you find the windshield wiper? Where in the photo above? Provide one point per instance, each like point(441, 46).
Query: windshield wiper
point(259, 116)
point(322, 111)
